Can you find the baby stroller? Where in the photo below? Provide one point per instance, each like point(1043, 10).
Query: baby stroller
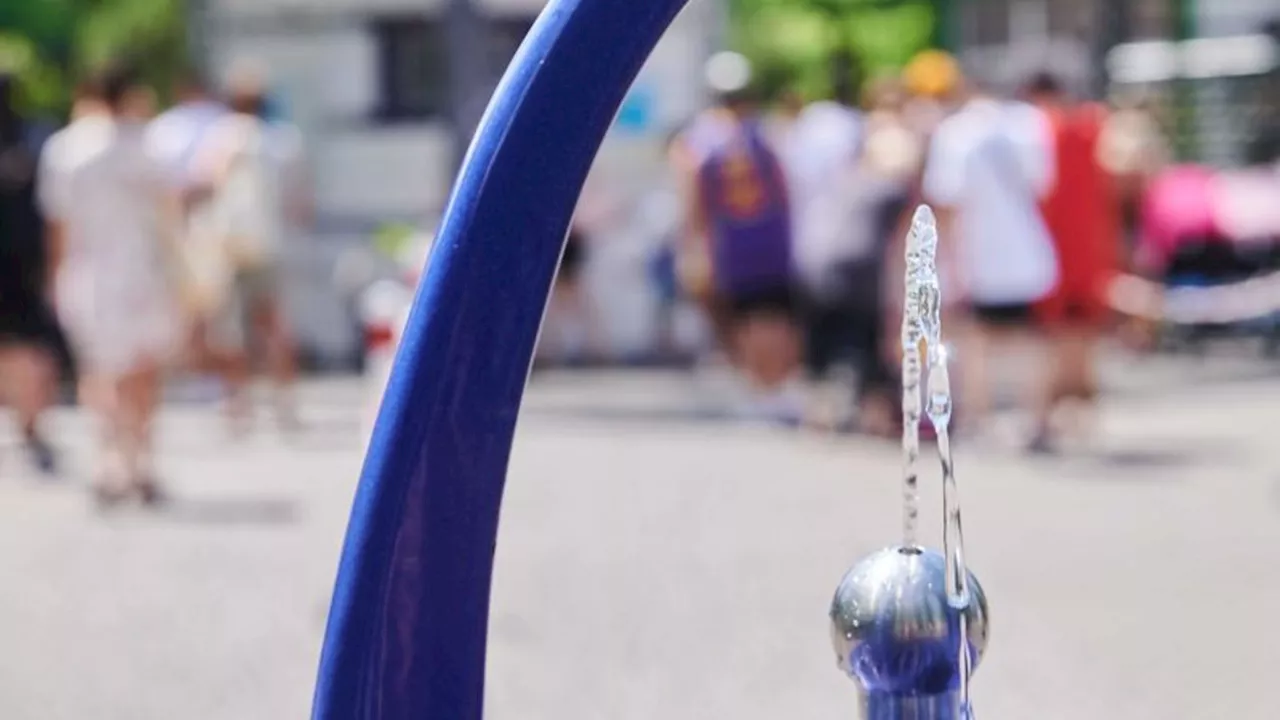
point(1207, 229)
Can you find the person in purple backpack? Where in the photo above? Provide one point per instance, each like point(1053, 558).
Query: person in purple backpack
point(742, 216)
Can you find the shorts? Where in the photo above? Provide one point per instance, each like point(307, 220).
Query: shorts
point(26, 319)
point(227, 327)
point(780, 302)
point(1004, 315)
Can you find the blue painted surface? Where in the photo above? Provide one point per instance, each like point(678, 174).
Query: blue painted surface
point(407, 627)
point(636, 116)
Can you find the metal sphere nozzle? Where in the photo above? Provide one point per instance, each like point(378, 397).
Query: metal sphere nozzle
point(897, 633)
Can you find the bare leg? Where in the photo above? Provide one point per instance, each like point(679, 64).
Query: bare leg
point(236, 374)
point(975, 388)
point(139, 394)
point(129, 391)
point(749, 349)
point(101, 396)
point(1048, 396)
point(767, 349)
point(230, 363)
point(777, 350)
point(1073, 373)
point(1043, 393)
point(281, 360)
point(877, 414)
point(29, 384)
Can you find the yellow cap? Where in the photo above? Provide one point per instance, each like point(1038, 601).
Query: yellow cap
point(932, 73)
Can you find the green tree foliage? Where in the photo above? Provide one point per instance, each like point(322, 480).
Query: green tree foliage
point(149, 33)
point(47, 24)
point(40, 83)
point(48, 43)
point(792, 43)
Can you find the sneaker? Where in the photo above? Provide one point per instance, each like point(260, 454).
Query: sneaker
point(43, 458)
point(1042, 445)
point(150, 493)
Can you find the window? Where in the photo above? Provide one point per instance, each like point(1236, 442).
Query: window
point(414, 63)
point(413, 69)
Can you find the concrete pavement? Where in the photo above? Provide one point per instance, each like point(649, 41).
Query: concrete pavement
point(655, 565)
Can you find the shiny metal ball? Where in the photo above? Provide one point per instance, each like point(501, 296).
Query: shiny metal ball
point(893, 628)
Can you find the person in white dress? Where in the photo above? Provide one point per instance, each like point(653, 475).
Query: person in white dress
point(104, 198)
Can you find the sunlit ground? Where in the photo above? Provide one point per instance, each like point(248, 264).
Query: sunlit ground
point(654, 565)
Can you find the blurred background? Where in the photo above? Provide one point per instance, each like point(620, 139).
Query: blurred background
point(701, 455)
point(385, 100)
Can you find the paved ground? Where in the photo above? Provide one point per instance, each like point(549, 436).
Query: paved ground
point(657, 566)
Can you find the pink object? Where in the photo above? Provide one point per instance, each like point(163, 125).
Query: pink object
point(1178, 207)
point(1191, 202)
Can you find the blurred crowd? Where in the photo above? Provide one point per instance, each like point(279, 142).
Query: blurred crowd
point(1054, 213)
point(138, 242)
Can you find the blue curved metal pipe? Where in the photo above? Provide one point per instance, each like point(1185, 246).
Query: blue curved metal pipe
point(407, 627)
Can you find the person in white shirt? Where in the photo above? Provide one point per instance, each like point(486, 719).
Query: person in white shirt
point(987, 166)
point(825, 141)
point(175, 136)
point(105, 200)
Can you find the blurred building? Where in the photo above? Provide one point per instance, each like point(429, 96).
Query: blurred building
point(1000, 39)
point(368, 81)
point(1206, 61)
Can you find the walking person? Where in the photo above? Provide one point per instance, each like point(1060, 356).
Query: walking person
point(856, 220)
point(28, 329)
point(1081, 211)
point(987, 168)
point(742, 218)
point(106, 202)
point(174, 139)
point(252, 170)
point(726, 76)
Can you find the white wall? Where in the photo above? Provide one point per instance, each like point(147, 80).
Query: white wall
point(390, 172)
point(323, 75)
point(327, 76)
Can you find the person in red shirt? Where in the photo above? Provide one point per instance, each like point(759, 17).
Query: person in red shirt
point(1079, 208)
